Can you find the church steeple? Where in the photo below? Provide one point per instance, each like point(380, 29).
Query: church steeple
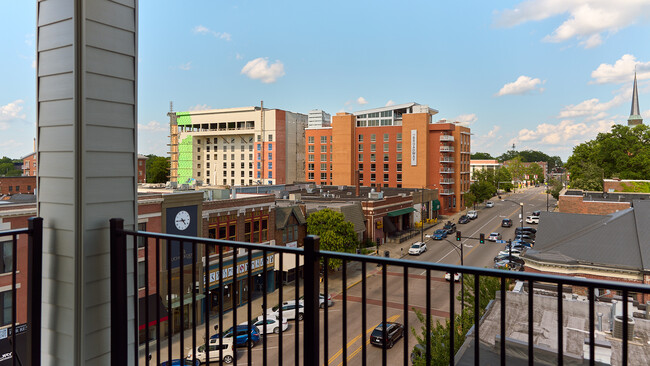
point(635, 114)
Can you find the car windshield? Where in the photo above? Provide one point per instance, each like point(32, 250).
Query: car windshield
point(494, 234)
point(440, 231)
point(415, 246)
point(378, 331)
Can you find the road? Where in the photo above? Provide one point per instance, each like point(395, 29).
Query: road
point(355, 343)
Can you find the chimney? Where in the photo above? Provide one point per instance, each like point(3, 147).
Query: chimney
point(34, 144)
point(358, 184)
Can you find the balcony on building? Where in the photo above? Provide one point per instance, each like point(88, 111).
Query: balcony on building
point(447, 181)
point(444, 159)
point(446, 170)
point(447, 149)
point(447, 138)
point(446, 192)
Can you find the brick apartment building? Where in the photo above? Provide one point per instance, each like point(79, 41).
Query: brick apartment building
point(17, 185)
point(396, 146)
point(30, 165)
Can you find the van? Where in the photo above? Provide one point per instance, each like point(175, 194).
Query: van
point(215, 347)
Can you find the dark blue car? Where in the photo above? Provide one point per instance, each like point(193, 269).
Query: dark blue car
point(183, 362)
point(242, 337)
point(439, 234)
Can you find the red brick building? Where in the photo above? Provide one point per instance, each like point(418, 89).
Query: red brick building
point(15, 185)
point(30, 165)
point(142, 169)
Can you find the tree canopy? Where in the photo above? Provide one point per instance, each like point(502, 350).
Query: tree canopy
point(335, 233)
point(481, 156)
point(157, 169)
point(531, 156)
point(500, 177)
point(624, 153)
point(8, 169)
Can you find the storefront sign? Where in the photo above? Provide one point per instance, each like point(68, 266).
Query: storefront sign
point(414, 147)
point(242, 269)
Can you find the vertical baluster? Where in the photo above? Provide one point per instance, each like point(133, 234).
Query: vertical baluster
point(427, 338)
point(560, 327)
point(452, 320)
point(146, 294)
point(477, 310)
point(344, 316)
point(503, 321)
point(531, 359)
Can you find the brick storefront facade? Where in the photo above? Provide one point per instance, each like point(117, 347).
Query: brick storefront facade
point(13, 185)
point(577, 204)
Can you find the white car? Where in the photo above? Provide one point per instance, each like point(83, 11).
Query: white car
point(514, 252)
point(472, 214)
point(494, 237)
point(288, 310)
point(532, 220)
point(272, 324)
point(321, 300)
point(489, 204)
point(417, 248)
point(224, 345)
point(456, 276)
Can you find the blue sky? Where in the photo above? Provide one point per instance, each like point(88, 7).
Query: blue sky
point(542, 74)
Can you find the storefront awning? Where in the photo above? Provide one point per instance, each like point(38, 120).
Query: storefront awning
point(187, 299)
point(154, 302)
point(436, 205)
point(401, 212)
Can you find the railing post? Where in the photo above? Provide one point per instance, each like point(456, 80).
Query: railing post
point(119, 315)
point(35, 285)
point(311, 290)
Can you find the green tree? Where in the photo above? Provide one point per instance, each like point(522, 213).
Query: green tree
point(8, 169)
point(157, 169)
point(336, 234)
point(499, 177)
point(482, 190)
point(439, 333)
point(470, 199)
point(533, 170)
point(488, 286)
point(554, 188)
point(481, 156)
point(517, 169)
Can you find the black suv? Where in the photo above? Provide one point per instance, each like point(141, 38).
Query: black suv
point(463, 219)
point(450, 227)
point(394, 331)
point(525, 229)
point(506, 223)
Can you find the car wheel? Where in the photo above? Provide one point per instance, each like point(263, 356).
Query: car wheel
point(276, 330)
point(322, 306)
point(391, 344)
point(300, 316)
point(228, 359)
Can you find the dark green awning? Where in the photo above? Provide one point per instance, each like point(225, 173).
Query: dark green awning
point(401, 212)
point(436, 205)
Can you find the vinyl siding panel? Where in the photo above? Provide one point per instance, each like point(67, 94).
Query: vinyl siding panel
point(99, 112)
point(111, 13)
point(104, 62)
point(58, 190)
point(56, 113)
point(55, 87)
point(58, 138)
point(109, 38)
point(99, 138)
point(56, 165)
point(56, 61)
point(101, 164)
point(55, 35)
point(109, 88)
point(53, 11)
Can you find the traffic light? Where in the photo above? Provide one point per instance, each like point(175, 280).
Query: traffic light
point(457, 235)
point(481, 238)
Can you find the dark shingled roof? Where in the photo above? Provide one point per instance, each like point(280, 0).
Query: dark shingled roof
point(282, 215)
point(619, 240)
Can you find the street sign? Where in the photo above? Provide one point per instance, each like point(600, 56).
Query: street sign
point(501, 241)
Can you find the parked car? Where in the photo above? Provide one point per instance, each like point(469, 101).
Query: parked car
point(240, 335)
point(394, 331)
point(456, 276)
point(450, 227)
point(273, 325)
point(536, 213)
point(506, 223)
point(516, 246)
point(494, 237)
point(463, 219)
point(178, 362)
point(502, 257)
point(532, 219)
point(321, 300)
point(417, 248)
point(515, 252)
point(472, 214)
point(525, 238)
point(289, 310)
point(522, 243)
point(510, 265)
point(215, 347)
point(439, 234)
point(526, 229)
point(489, 204)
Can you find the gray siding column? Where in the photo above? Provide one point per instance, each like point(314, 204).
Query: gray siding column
point(87, 152)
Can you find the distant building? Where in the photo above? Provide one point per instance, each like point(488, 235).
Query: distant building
point(318, 118)
point(17, 185)
point(142, 169)
point(237, 146)
point(626, 185)
point(635, 114)
point(482, 164)
point(396, 146)
point(30, 165)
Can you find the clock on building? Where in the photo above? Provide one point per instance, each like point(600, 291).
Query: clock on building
point(182, 220)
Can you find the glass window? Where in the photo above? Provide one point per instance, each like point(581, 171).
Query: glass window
point(360, 166)
point(399, 136)
point(386, 137)
point(310, 139)
point(323, 139)
point(311, 157)
point(310, 167)
point(386, 157)
point(270, 165)
point(399, 146)
point(323, 148)
point(373, 147)
point(398, 156)
point(360, 148)
point(270, 147)
point(360, 157)
point(385, 167)
point(270, 137)
point(310, 148)
point(373, 137)
point(259, 147)
point(360, 138)
point(385, 177)
point(7, 307)
point(7, 257)
point(323, 166)
point(399, 167)
point(310, 176)
point(270, 156)
point(323, 157)
point(386, 147)
point(323, 176)
point(399, 177)
point(372, 157)
point(141, 269)
point(372, 176)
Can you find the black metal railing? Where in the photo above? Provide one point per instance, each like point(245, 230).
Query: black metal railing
point(24, 337)
point(310, 351)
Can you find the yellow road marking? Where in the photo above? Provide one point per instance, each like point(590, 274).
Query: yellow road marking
point(476, 246)
point(337, 354)
point(356, 351)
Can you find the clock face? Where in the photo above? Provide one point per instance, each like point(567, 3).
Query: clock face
point(182, 220)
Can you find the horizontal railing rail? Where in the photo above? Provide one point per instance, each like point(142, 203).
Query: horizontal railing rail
point(311, 349)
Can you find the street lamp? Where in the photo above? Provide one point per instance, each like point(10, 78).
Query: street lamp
point(521, 204)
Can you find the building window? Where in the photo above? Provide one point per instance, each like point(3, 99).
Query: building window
point(360, 167)
point(398, 156)
point(225, 156)
point(323, 176)
point(270, 147)
point(323, 166)
point(385, 177)
point(323, 139)
point(198, 149)
point(310, 139)
point(372, 167)
point(7, 306)
point(270, 137)
point(399, 167)
point(198, 174)
point(141, 270)
point(399, 146)
point(310, 167)
point(270, 165)
point(360, 159)
point(360, 176)
point(311, 157)
point(386, 147)
point(385, 167)
point(232, 148)
point(399, 177)
point(29, 188)
point(259, 147)
point(250, 156)
point(259, 165)
point(399, 136)
point(373, 137)
point(373, 147)
point(270, 175)
point(372, 157)
point(17, 188)
point(385, 137)
point(270, 156)
point(323, 157)
point(360, 148)
point(323, 148)
point(386, 157)
point(360, 138)
point(242, 165)
point(310, 176)
point(310, 148)
point(7, 257)
point(232, 156)
point(372, 177)
point(207, 156)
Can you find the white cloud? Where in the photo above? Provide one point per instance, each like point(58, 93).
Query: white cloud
point(484, 142)
point(646, 114)
point(199, 107)
point(566, 132)
point(466, 118)
point(585, 19)
point(362, 100)
point(12, 111)
point(260, 69)
point(591, 107)
point(199, 29)
point(153, 126)
point(622, 71)
point(522, 85)
point(33, 64)
point(390, 103)
point(186, 66)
